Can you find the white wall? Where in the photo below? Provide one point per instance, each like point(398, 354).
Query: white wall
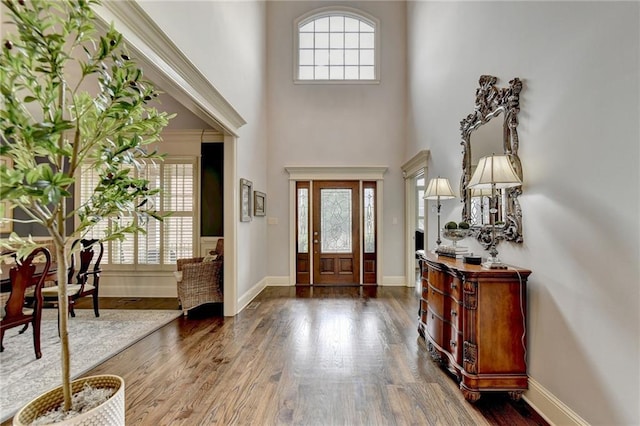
point(335, 125)
point(226, 41)
point(579, 136)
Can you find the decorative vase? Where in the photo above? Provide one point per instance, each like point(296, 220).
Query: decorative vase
point(109, 413)
point(455, 235)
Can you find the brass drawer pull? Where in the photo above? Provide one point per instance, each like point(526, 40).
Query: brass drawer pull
point(453, 313)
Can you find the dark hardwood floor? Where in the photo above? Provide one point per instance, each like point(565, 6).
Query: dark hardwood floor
point(321, 356)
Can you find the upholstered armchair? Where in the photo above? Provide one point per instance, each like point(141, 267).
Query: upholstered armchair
point(200, 279)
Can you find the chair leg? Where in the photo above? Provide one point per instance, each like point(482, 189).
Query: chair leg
point(24, 328)
point(95, 305)
point(1, 338)
point(71, 310)
point(36, 338)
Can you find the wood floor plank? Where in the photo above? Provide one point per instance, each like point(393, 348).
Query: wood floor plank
point(297, 356)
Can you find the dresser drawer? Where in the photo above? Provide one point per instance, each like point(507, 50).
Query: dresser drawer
point(453, 345)
point(423, 310)
point(453, 312)
point(437, 280)
point(455, 288)
point(434, 327)
point(436, 301)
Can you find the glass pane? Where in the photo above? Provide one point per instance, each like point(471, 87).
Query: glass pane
point(366, 57)
point(336, 57)
point(420, 202)
point(321, 57)
point(369, 221)
point(303, 220)
point(321, 72)
point(367, 73)
point(305, 73)
point(351, 57)
point(366, 41)
point(336, 41)
point(336, 24)
point(322, 40)
point(307, 28)
point(365, 28)
point(322, 24)
point(351, 25)
point(335, 221)
point(306, 57)
point(351, 73)
point(178, 241)
point(351, 40)
point(306, 41)
point(336, 73)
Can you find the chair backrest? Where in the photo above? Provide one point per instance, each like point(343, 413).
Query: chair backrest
point(220, 247)
point(91, 252)
point(21, 276)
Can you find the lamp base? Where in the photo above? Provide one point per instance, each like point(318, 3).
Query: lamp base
point(493, 263)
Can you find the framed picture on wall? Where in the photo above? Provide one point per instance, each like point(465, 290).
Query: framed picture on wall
point(245, 200)
point(259, 200)
point(6, 225)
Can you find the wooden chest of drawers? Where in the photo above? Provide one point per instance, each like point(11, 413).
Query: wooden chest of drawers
point(474, 323)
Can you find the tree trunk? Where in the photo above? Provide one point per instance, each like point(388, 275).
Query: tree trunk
point(63, 313)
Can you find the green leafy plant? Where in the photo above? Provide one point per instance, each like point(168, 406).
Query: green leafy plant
point(73, 100)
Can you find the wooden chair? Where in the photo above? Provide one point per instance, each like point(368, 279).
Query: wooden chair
point(15, 312)
point(200, 279)
point(83, 280)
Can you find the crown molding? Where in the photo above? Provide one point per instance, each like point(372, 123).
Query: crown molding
point(336, 172)
point(416, 164)
point(166, 65)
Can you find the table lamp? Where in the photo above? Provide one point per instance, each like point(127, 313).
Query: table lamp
point(439, 189)
point(494, 172)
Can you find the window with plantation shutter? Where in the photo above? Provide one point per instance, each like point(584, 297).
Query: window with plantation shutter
point(162, 242)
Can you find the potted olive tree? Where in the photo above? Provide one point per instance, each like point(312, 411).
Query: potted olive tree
point(72, 100)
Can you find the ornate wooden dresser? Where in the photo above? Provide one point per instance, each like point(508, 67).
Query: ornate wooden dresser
point(473, 321)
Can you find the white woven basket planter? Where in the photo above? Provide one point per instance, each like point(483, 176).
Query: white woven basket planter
point(107, 414)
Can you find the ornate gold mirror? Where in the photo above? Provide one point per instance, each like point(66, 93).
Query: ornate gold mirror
point(492, 129)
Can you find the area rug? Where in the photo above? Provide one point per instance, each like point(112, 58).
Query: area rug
point(93, 340)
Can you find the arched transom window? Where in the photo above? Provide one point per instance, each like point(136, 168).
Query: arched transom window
point(336, 45)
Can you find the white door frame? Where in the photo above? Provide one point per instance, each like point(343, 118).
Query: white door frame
point(169, 68)
point(311, 173)
point(416, 166)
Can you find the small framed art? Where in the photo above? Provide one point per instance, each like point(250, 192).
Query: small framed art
point(259, 203)
point(245, 200)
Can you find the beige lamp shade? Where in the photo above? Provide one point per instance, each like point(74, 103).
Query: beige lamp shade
point(439, 188)
point(480, 192)
point(494, 170)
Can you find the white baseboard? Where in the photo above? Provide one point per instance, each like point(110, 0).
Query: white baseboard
point(249, 295)
point(391, 281)
point(278, 282)
point(550, 407)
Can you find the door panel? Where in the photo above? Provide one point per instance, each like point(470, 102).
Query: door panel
point(336, 222)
